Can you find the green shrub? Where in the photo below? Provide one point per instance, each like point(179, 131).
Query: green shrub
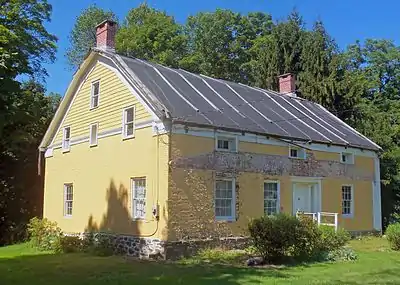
point(69, 244)
point(280, 236)
point(341, 254)
point(98, 244)
point(332, 240)
point(307, 239)
point(44, 234)
point(272, 236)
point(393, 235)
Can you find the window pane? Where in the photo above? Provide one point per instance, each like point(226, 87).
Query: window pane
point(93, 134)
point(67, 133)
point(293, 152)
point(96, 86)
point(129, 129)
point(129, 115)
point(95, 101)
point(139, 198)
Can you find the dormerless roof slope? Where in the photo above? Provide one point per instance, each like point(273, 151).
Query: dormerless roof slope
point(201, 100)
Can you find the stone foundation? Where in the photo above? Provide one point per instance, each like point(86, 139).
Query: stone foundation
point(185, 248)
point(152, 248)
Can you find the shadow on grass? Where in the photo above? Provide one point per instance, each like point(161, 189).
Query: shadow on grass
point(86, 269)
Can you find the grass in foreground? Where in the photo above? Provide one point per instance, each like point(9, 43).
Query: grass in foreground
point(21, 264)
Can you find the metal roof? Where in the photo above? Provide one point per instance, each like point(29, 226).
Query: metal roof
point(205, 101)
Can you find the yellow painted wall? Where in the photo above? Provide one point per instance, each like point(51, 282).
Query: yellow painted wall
point(191, 192)
point(101, 180)
point(114, 97)
point(101, 175)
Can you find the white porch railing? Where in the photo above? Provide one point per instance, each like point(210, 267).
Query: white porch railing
point(319, 218)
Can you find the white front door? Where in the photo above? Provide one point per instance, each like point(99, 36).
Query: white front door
point(302, 198)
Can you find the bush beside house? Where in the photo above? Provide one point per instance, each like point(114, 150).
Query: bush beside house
point(393, 236)
point(281, 237)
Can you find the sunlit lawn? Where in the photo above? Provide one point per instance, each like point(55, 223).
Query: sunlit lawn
point(20, 264)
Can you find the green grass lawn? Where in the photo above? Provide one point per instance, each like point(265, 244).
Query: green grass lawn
point(20, 264)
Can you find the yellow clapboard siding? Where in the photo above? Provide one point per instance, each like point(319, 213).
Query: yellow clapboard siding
point(114, 97)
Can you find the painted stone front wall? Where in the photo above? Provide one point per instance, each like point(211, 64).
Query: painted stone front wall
point(195, 166)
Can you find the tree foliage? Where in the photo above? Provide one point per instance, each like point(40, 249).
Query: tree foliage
point(24, 110)
point(83, 35)
point(152, 35)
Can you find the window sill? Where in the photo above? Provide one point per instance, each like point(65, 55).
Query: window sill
point(66, 150)
point(93, 108)
point(225, 219)
point(128, 137)
point(67, 216)
point(347, 216)
point(293, 157)
point(93, 145)
point(226, 150)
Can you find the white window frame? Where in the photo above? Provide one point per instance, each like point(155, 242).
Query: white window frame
point(228, 138)
point(351, 155)
point(233, 202)
point(92, 95)
point(91, 134)
point(65, 147)
point(301, 152)
point(134, 198)
point(351, 214)
point(124, 136)
point(278, 199)
point(66, 185)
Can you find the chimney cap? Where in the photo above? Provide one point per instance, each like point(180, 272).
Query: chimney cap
point(286, 74)
point(112, 22)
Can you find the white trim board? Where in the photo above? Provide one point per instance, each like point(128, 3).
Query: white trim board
point(253, 138)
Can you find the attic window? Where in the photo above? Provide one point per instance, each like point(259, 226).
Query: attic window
point(93, 134)
point(95, 94)
point(296, 152)
point(128, 127)
point(66, 139)
point(346, 157)
point(226, 143)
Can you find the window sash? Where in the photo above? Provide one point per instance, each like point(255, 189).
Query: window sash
point(68, 199)
point(139, 198)
point(224, 199)
point(95, 92)
point(129, 123)
point(93, 134)
point(271, 198)
point(347, 200)
point(226, 143)
point(66, 138)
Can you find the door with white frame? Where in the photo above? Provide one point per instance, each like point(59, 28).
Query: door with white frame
point(306, 197)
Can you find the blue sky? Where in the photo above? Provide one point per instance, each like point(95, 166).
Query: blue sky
point(346, 20)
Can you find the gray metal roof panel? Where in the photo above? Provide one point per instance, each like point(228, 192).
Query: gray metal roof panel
point(206, 101)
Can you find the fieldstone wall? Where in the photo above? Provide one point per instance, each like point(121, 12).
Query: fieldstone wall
point(185, 248)
point(152, 248)
point(134, 246)
point(270, 164)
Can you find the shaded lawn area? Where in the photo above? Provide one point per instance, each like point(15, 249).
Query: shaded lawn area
point(20, 264)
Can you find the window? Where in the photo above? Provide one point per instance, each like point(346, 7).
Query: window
point(224, 199)
point(346, 157)
point(68, 199)
point(226, 143)
point(296, 152)
point(347, 200)
point(66, 141)
point(271, 197)
point(139, 198)
point(93, 134)
point(128, 122)
point(95, 93)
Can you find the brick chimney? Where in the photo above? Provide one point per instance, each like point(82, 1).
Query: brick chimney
point(287, 83)
point(105, 35)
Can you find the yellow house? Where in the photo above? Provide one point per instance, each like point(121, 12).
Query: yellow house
point(153, 156)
